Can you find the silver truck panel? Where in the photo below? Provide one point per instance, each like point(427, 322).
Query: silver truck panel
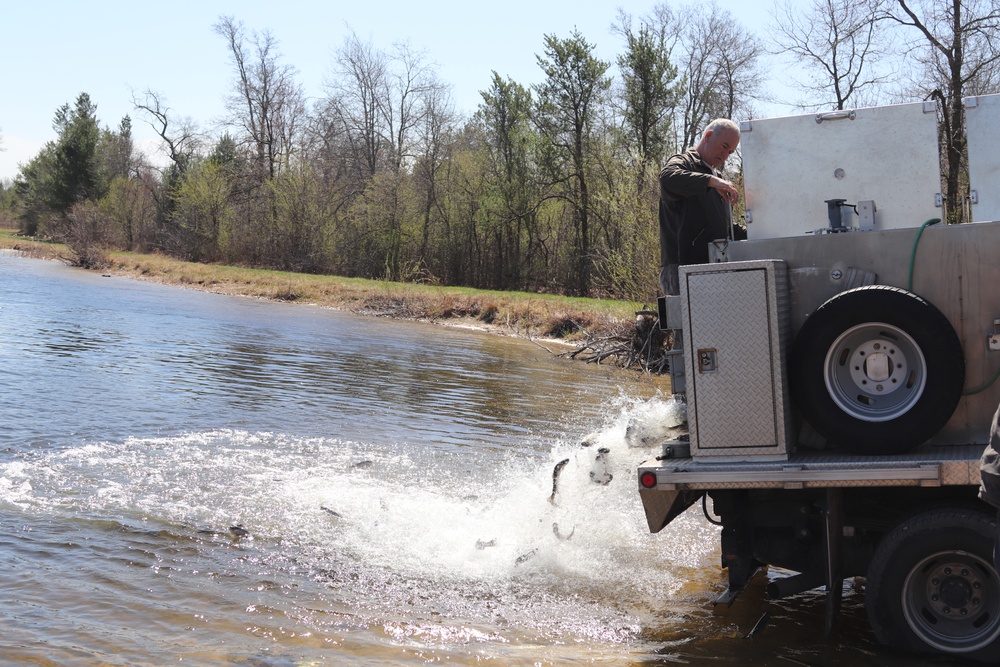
point(932, 466)
point(982, 120)
point(793, 164)
point(736, 333)
point(955, 267)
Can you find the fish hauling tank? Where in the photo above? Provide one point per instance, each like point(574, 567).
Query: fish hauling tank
point(839, 372)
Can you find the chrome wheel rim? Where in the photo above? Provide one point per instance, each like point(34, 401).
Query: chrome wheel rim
point(951, 602)
point(875, 372)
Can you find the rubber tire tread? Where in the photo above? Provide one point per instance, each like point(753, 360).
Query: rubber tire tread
point(903, 547)
point(930, 329)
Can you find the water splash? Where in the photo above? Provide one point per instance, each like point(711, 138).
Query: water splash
point(473, 534)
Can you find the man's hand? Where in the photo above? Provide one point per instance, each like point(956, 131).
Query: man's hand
point(725, 188)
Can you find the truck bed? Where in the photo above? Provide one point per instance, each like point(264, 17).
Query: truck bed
point(928, 466)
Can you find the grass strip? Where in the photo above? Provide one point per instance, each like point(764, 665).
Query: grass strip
point(512, 313)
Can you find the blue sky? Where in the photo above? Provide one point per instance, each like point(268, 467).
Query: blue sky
point(53, 50)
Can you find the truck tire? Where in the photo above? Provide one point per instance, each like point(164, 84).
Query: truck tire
point(932, 586)
point(877, 370)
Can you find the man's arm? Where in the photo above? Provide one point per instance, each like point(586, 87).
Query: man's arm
point(679, 180)
point(725, 188)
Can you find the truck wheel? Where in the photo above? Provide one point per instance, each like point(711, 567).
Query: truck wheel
point(877, 370)
point(932, 586)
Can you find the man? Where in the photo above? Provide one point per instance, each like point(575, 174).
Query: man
point(695, 202)
point(989, 473)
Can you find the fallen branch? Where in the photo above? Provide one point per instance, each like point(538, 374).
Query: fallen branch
point(641, 345)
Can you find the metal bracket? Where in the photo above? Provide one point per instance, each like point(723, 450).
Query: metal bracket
point(994, 337)
point(866, 215)
point(832, 539)
point(720, 245)
point(676, 449)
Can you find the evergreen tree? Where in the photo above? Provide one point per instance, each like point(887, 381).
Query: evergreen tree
point(649, 93)
point(505, 115)
point(74, 175)
point(569, 104)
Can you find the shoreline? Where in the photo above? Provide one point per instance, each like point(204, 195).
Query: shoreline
point(455, 322)
point(589, 330)
point(392, 306)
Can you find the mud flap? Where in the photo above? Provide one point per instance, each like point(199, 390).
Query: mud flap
point(662, 507)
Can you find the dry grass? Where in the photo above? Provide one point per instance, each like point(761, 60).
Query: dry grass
point(513, 313)
point(28, 247)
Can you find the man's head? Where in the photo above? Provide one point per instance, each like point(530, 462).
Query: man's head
point(720, 140)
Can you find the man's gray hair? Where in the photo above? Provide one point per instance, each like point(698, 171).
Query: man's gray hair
point(722, 124)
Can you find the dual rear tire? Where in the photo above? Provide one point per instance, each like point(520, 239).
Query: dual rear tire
point(932, 586)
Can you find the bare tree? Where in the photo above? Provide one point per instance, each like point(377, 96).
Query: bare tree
point(378, 104)
point(266, 103)
point(380, 98)
point(721, 67)
point(181, 139)
point(437, 122)
point(357, 94)
point(414, 91)
point(955, 46)
point(840, 44)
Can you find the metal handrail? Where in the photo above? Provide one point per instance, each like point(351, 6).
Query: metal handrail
point(836, 115)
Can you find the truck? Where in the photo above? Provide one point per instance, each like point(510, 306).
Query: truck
point(839, 369)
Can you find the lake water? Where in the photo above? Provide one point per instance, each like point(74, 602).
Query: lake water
point(189, 478)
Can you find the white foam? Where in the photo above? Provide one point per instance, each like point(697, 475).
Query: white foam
point(475, 516)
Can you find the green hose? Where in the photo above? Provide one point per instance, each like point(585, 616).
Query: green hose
point(913, 255)
point(972, 392)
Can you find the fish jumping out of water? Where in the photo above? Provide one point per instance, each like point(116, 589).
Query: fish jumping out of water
point(555, 479)
point(238, 530)
point(555, 531)
point(599, 474)
point(526, 556)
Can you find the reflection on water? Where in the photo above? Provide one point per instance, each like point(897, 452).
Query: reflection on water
point(193, 478)
point(206, 361)
point(74, 341)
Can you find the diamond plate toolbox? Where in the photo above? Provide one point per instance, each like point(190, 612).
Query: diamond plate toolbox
point(736, 328)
